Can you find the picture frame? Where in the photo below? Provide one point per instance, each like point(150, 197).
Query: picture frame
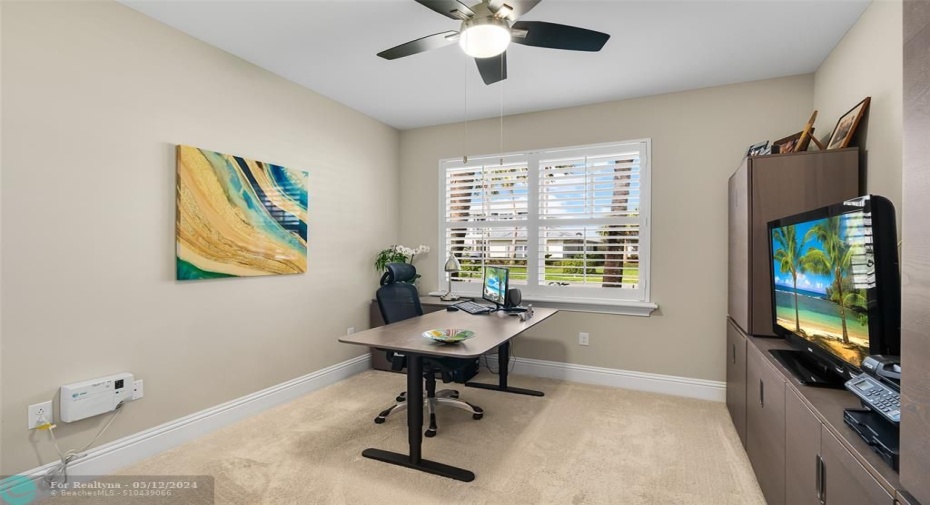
point(846, 126)
point(807, 135)
point(758, 149)
point(787, 144)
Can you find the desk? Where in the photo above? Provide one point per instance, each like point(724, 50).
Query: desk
point(491, 331)
point(429, 303)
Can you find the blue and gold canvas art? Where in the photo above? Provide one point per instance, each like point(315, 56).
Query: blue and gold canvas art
point(238, 217)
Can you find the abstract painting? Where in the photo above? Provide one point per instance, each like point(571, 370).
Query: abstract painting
point(238, 217)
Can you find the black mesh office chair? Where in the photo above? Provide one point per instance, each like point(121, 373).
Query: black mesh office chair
point(399, 300)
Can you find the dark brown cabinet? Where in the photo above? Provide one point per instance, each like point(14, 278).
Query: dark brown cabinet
point(770, 187)
point(800, 449)
point(765, 425)
point(844, 480)
point(736, 379)
point(915, 266)
point(802, 453)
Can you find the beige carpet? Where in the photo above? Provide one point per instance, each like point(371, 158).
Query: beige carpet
point(579, 444)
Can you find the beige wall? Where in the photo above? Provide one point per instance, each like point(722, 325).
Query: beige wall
point(698, 139)
point(95, 97)
point(868, 62)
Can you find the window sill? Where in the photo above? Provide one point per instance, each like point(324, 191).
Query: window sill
point(620, 307)
point(626, 308)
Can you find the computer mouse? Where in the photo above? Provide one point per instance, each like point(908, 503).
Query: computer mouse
point(452, 308)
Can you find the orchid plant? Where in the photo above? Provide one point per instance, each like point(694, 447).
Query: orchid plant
point(398, 254)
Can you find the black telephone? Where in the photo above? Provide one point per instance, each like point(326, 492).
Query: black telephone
point(888, 367)
point(879, 386)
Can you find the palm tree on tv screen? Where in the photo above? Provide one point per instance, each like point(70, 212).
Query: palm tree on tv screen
point(835, 258)
point(790, 260)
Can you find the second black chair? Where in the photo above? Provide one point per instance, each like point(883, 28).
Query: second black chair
point(398, 299)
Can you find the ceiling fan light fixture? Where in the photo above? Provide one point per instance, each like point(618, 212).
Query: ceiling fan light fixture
point(484, 38)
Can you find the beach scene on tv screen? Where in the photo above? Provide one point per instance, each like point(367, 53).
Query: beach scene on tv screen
point(822, 270)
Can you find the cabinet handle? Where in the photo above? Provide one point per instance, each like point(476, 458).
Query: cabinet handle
point(734, 353)
point(821, 481)
point(761, 393)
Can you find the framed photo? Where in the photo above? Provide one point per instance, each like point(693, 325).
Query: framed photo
point(757, 149)
point(846, 126)
point(787, 144)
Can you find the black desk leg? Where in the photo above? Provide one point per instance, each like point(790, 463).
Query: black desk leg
point(503, 368)
point(415, 431)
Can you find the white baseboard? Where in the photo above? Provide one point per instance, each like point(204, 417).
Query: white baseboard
point(640, 381)
point(118, 454)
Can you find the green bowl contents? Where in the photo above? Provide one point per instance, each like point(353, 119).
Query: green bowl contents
point(448, 335)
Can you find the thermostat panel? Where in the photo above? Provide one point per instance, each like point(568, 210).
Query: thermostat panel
point(81, 400)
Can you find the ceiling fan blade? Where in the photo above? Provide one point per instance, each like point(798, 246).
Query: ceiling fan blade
point(449, 8)
point(517, 7)
point(556, 36)
point(493, 69)
point(434, 41)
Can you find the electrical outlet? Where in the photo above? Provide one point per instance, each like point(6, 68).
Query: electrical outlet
point(350, 330)
point(39, 411)
point(582, 338)
point(137, 391)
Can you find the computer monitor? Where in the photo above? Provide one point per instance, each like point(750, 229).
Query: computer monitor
point(496, 282)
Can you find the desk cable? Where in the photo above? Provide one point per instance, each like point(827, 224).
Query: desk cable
point(485, 360)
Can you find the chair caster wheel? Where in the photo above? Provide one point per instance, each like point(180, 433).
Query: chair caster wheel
point(379, 420)
point(477, 416)
point(430, 433)
point(401, 399)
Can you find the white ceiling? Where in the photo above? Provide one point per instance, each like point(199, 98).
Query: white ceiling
point(656, 47)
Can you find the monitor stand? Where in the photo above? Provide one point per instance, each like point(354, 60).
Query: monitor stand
point(809, 370)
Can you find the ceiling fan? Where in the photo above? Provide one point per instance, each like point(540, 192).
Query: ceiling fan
point(489, 27)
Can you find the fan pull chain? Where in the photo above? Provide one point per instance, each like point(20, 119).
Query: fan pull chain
point(502, 113)
point(465, 119)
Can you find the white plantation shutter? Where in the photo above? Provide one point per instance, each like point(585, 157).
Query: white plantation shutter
point(486, 209)
point(570, 224)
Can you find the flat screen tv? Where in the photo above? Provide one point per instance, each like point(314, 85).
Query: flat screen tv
point(836, 288)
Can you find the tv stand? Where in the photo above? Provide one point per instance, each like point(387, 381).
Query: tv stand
point(809, 370)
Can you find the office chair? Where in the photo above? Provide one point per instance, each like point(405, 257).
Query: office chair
point(399, 300)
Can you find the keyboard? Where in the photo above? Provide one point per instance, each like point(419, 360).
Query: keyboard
point(473, 308)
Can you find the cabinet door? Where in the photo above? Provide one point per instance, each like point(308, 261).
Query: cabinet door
point(736, 379)
point(802, 452)
point(915, 266)
point(738, 260)
point(845, 481)
point(765, 425)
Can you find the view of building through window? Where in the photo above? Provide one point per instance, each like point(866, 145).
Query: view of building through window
point(558, 220)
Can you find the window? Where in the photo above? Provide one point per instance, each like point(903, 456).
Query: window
point(572, 225)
